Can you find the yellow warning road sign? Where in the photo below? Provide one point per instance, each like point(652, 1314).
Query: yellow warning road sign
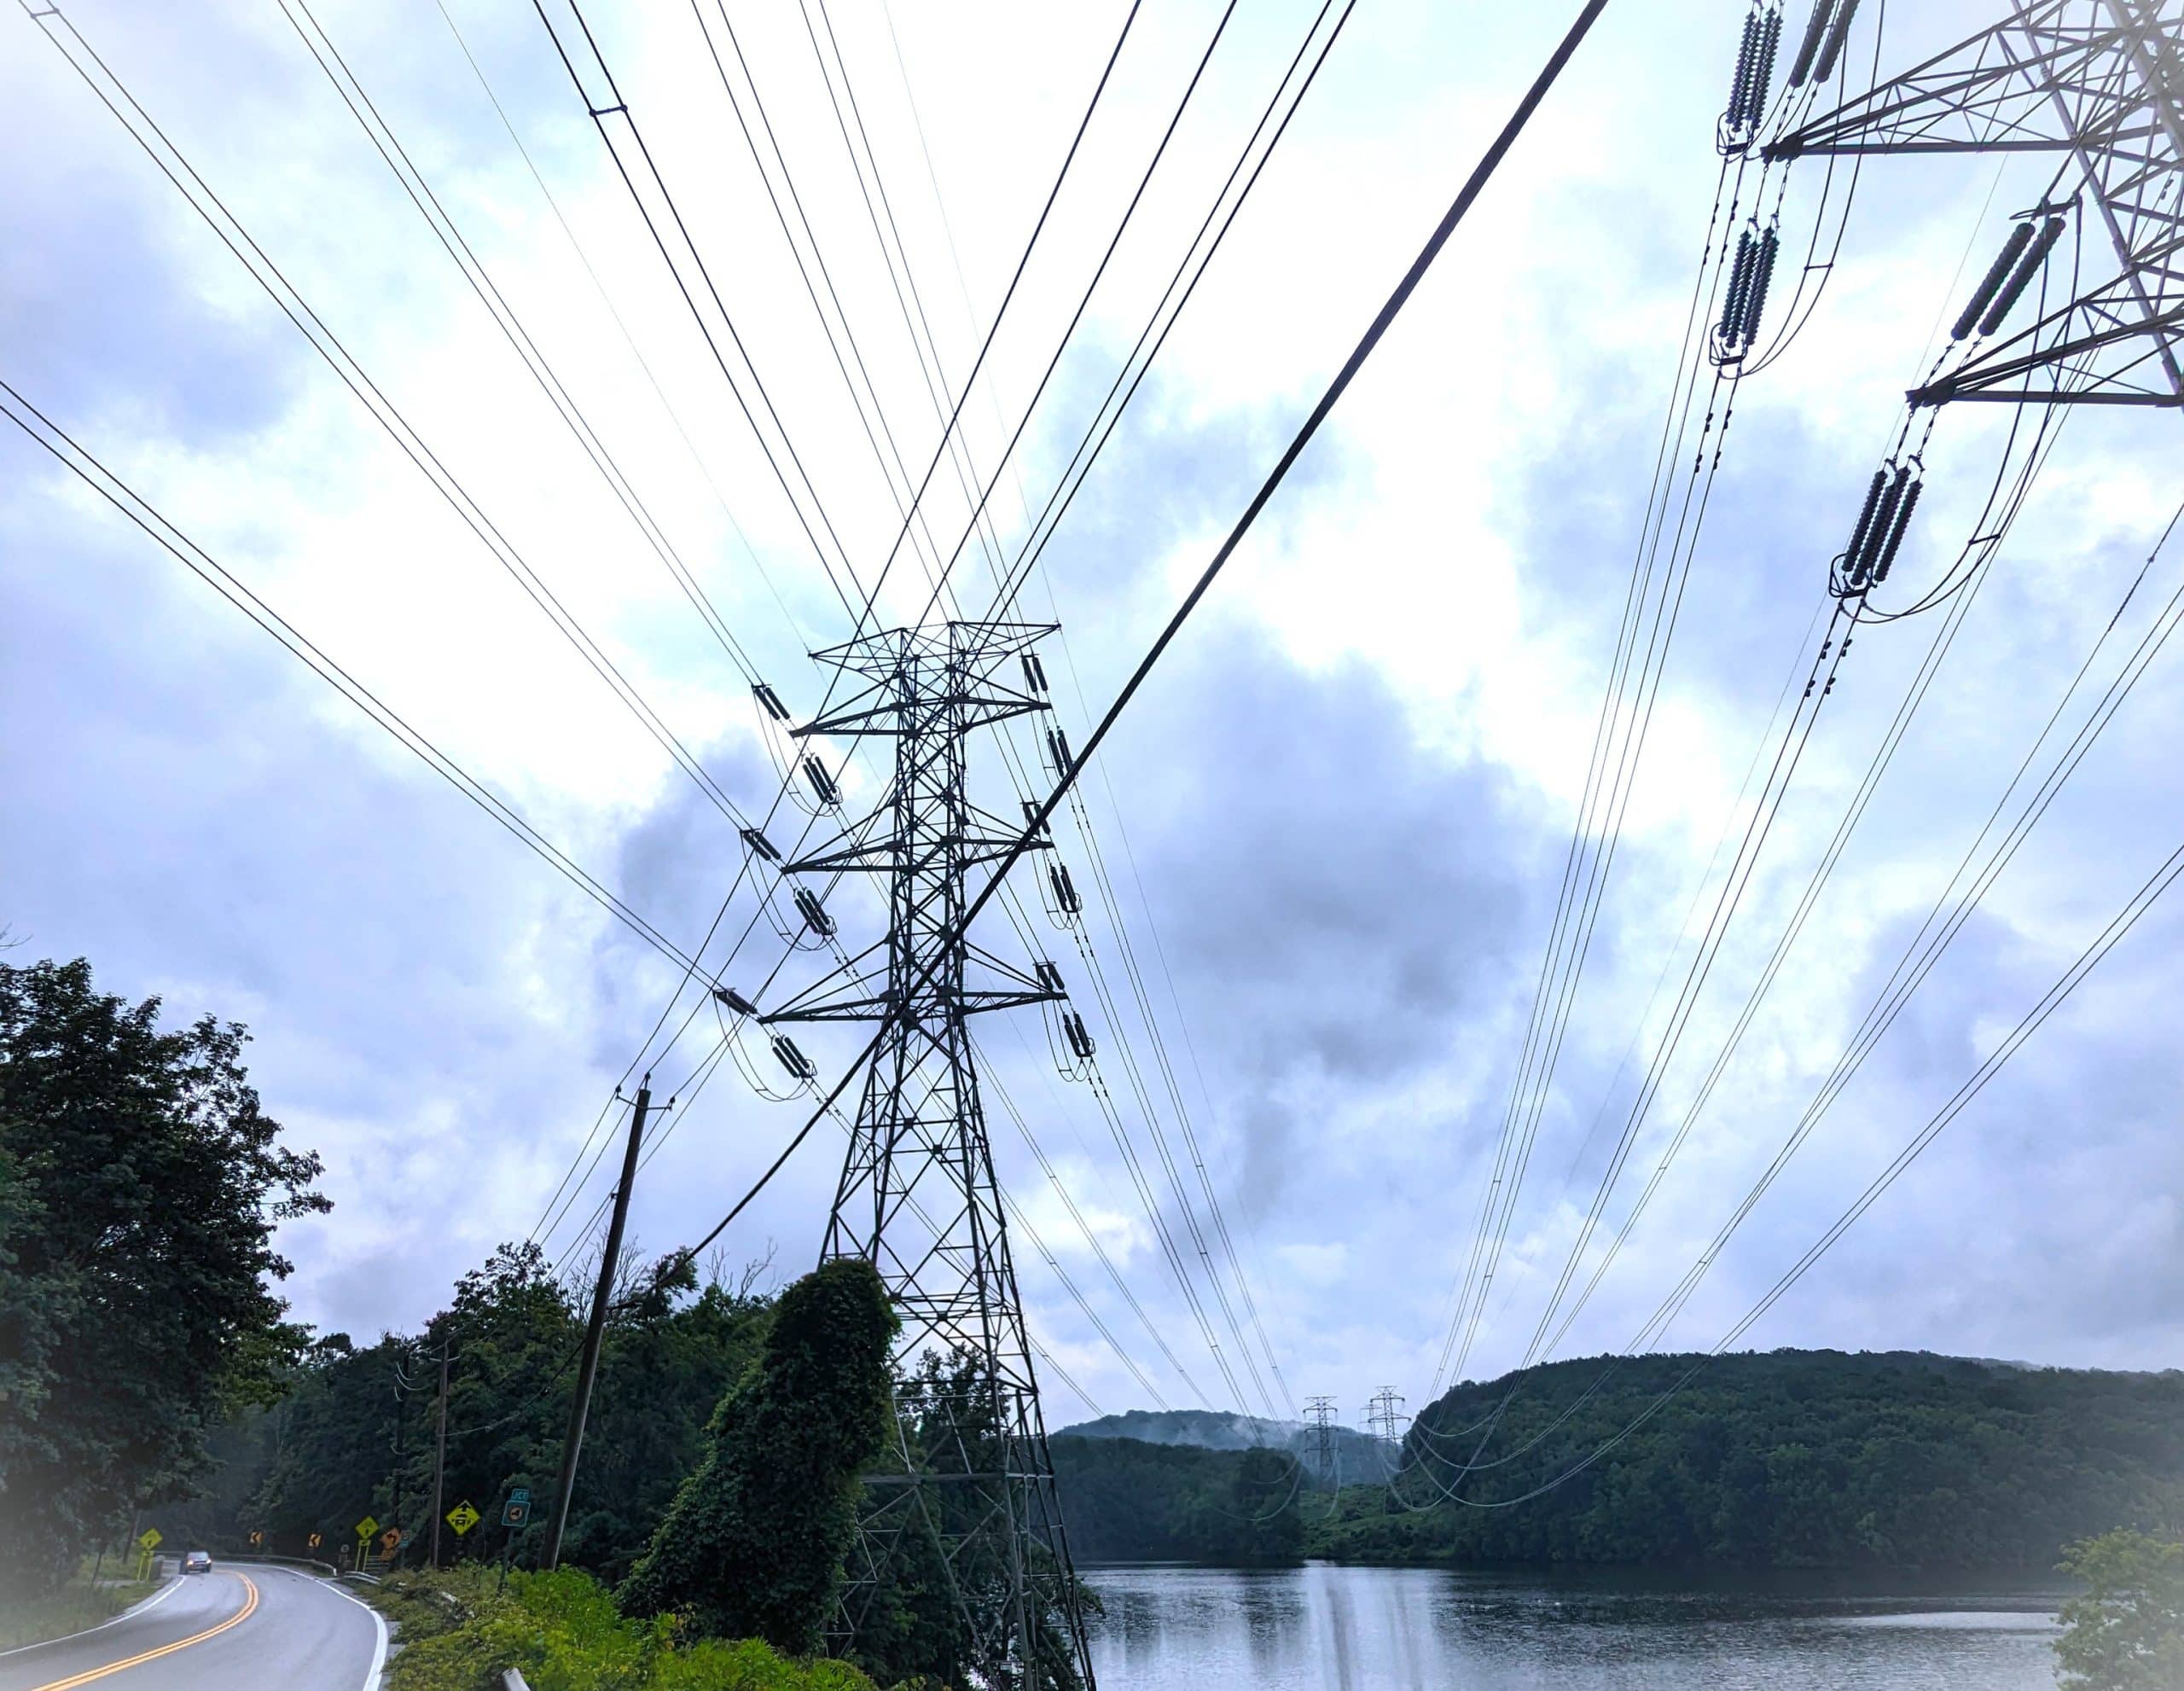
point(367, 1526)
point(463, 1518)
point(150, 1539)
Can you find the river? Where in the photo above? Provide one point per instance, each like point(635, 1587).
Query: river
point(1378, 1628)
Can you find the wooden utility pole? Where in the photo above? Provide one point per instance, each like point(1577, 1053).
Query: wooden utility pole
point(588, 1369)
point(439, 1458)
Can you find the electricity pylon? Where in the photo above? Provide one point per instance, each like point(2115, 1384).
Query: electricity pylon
point(2101, 84)
point(1384, 1419)
point(918, 1198)
point(1319, 1416)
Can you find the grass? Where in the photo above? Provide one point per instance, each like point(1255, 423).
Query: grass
point(76, 1606)
point(563, 1631)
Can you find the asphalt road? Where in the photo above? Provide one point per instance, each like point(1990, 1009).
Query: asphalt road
point(235, 1628)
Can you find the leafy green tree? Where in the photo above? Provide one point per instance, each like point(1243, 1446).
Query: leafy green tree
point(140, 1185)
point(754, 1542)
point(2126, 1633)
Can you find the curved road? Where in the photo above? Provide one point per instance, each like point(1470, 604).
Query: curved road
point(235, 1628)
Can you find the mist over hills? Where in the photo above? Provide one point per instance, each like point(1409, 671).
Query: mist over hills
point(1358, 1456)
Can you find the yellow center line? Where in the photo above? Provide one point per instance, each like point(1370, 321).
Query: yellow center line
point(250, 1602)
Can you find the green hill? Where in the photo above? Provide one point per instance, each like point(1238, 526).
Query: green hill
point(1786, 1459)
point(1357, 1455)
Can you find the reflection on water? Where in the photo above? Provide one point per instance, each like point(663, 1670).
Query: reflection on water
point(1375, 1628)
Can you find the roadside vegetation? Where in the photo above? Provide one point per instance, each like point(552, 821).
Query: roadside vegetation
point(462, 1630)
point(81, 1602)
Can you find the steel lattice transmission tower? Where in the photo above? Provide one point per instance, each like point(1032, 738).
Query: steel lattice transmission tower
point(918, 1197)
point(2099, 83)
point(1319, 1416)
point(1384, 1419)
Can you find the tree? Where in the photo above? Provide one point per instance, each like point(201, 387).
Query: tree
point(2127, 1632)
point(140, 1184)
point(1266, 1524)
point(753, 1544)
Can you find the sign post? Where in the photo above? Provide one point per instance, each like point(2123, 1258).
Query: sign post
point(148, 1543)
point(515, 1515)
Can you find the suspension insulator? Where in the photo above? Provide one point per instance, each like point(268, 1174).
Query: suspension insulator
point(1049, 975)
point(1740, 78)
point(1058, 751)
point(1762, 70)
point(1816, 28)
point(735, 1001)
point(1887, 558)
point(1832, 50)
point(761, 845)
point(1035, 672)
point(1762, 269)
point(814, 913)
point(823, 786)
point(1983, 295)
point(1065, 889)
point(770, 701)
point(793, 1060)
point(1856, 548)
point(1039, 830)
point(1884, 520)
point(1739, 283)
point(1080, 1038)
point(2028, 267)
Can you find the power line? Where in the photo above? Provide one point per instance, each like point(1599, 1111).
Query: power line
point(1480, 175)
point(67, 452)
point(236, 238)
point(450, 235)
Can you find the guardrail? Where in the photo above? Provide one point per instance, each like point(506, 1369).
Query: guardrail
point(264, 1561)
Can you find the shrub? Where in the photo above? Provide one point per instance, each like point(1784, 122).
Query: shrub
point(753, 1543)
point(563, 1632)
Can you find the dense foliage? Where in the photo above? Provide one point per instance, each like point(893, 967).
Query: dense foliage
point(1788, 1459)
point(753, 1544)
point(140, 1184)
point(354, 1436)
point(563, 1632)
point(1127, 1501)
point(2126, 1633)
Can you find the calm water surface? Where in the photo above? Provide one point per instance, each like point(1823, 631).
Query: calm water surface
point(1373, 1629)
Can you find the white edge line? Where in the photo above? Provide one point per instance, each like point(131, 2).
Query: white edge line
point(137, 1609)
point(379, 1620)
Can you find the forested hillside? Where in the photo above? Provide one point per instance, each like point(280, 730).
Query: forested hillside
point(1129, 1501)
point(1355, 1454)
point(1789, 1458)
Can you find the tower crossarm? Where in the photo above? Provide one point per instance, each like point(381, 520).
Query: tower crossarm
point(2099, 83)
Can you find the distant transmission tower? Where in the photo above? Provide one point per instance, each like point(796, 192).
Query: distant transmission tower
point(1319, 1416)
point(1384, 1419)
point(918, 1198)
point(2101, 84)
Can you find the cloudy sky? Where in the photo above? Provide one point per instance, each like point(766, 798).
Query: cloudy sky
point(1335, 822)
